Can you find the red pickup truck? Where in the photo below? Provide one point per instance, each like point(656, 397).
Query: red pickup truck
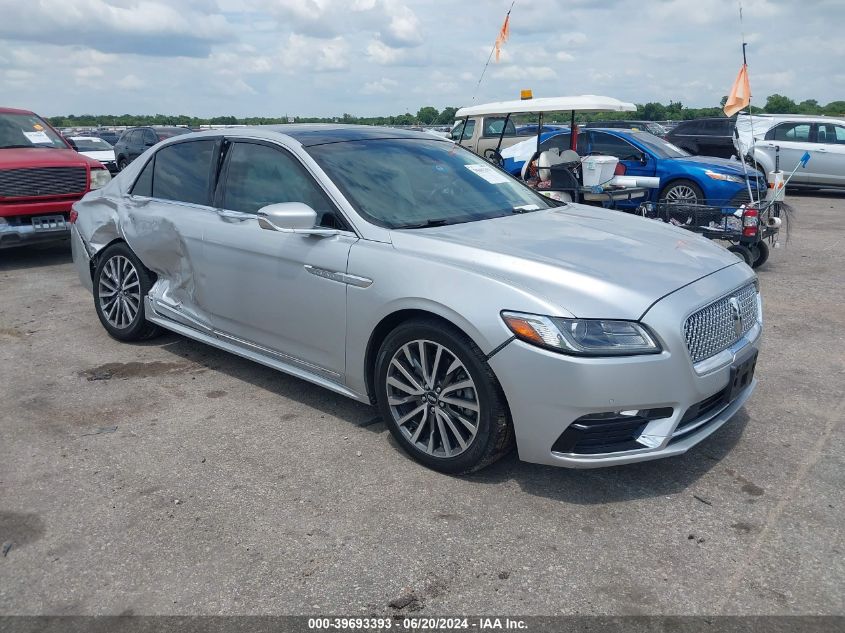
point(41, 176)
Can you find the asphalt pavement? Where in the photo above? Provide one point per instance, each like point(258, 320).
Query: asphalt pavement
point(172, 478)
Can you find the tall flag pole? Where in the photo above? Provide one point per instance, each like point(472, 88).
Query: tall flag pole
point(501, 38)
point(739, 99)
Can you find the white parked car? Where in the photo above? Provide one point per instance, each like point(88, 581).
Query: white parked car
point(790, 136)
point(96, 148)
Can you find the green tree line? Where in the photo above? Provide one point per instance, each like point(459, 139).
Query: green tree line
point(429, 115)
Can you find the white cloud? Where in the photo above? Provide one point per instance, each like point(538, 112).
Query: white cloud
point(131, 82)
point(303, 52)
point(525, 72)
point(380, 86)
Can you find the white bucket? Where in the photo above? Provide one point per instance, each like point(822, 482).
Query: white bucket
point(598, 170)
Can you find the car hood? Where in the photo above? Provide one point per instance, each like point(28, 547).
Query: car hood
point(722, 165)
point(42, 157)
point(99, 155)
point(588, 261)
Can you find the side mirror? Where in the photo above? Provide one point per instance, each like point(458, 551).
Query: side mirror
point(291, 217)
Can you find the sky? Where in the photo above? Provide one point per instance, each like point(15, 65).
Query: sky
point(380, 57)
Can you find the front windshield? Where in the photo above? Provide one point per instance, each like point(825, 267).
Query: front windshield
point(27, 130)
point(411, 183)
point(88, 144)
point(659, 147)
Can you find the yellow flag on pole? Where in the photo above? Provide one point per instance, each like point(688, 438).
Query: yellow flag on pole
point(740, 96)
point(504, 33)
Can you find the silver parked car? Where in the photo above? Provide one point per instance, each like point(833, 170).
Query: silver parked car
point(402, 270)
point(789, 136)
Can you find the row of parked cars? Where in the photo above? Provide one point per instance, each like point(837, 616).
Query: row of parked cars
point(42, 172)
point(696, 160)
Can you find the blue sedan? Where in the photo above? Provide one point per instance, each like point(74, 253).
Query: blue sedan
point(683, 178)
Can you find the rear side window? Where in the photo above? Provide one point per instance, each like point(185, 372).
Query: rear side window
point(687, 127)
point(182, 172)
point(144, 184)
point(831, 134)
point(259, 175)
point(150, 137)
point(790, 132)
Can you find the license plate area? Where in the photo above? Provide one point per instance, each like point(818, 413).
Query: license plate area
point(742, 373)
point(49, 223)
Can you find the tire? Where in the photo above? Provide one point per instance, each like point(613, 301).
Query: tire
point(485, 433)
point(742, 252)
point(120, 284)
point(122, 163)
point(759, 254)
point(682, 192)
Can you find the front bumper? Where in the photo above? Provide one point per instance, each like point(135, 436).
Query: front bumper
point(547, 392)
point(21, 231)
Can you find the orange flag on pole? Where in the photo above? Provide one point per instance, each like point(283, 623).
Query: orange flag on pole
point(504, 32)
point(740, 96)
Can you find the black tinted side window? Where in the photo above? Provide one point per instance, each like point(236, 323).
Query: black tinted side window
point(182, 172)
point(144, 184)
point(690, 127)
point(150, 137)
point(259, 175)
point(608, 145)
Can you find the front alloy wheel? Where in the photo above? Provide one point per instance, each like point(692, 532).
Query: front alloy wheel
point(432, 398)
point(682, 192)
point(439, 397)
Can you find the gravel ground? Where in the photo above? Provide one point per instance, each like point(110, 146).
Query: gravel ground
point(171, 478)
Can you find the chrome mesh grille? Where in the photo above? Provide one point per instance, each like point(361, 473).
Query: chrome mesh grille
point(713, 328)
point(42, 181)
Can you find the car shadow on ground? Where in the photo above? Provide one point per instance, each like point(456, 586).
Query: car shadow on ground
point(268, 379)
point(578, 486)
point(814, 193)
point(35, 256)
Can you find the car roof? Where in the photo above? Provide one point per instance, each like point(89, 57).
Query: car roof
point(309, 134)
point(322, 133)
point(15, 111)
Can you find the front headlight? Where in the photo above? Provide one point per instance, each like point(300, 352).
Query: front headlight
point(727, 177)
point(99, 178)
point(582, 337)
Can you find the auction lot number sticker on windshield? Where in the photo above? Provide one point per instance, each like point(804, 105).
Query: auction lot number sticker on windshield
point(489, 173)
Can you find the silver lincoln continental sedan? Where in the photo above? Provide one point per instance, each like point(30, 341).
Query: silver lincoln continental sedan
point(402, 270)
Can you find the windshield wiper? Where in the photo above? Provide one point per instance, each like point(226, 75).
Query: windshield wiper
point(423, 225)
point(23, 146)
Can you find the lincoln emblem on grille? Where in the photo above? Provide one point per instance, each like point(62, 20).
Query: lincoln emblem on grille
point(736, 315)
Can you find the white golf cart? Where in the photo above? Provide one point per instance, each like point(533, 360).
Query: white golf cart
point(489, 130)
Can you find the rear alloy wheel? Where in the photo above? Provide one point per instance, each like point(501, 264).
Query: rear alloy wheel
point(440, 399)
point(120, 284)
point(682, 192)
